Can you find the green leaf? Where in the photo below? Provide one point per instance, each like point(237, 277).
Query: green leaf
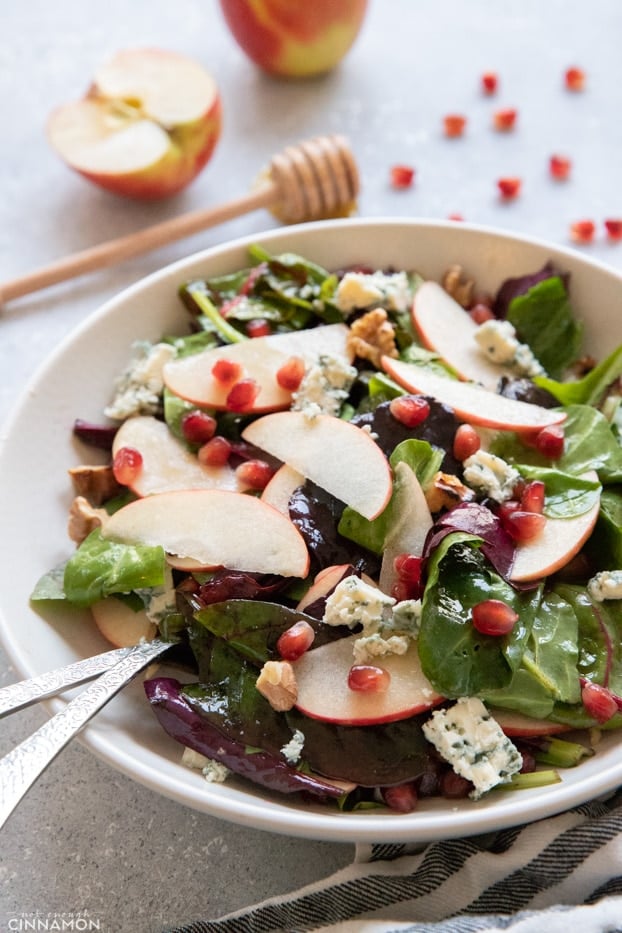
point(567, 495)
point(195, 295)
point(50, 586)
point(101, 568)
point(604, 546)
point(544, 319)
point(590, 389)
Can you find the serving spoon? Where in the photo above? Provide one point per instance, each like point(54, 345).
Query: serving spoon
point(313, 180)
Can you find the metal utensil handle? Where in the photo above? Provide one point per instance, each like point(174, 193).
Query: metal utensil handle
point(22, 694)
point(21, 767)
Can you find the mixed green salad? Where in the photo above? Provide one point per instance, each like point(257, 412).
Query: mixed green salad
point(378, 518)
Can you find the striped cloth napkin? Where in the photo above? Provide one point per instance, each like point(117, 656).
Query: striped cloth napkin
point(558, 875)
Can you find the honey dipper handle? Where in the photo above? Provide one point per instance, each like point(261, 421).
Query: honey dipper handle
point(134, 244)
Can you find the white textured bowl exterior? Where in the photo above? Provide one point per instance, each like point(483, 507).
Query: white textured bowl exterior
point(35, 494)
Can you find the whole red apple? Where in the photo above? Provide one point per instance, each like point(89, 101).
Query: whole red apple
point(295, 38)
point(145, 128)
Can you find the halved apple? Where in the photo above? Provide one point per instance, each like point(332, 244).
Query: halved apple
point(280, 487)
point(561, 539)
point(445, 327)
point(323, 692)
point(216, 528)
point(337, 455)
point(471, 402)
point(147, 126)
point(120, 624)
point(409, 533)
point(260, 358)
point(167, 462)
point(518, 724)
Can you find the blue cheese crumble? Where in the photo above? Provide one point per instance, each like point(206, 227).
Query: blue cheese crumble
point(498, 342)
point(292, 750)
point(605, 585)
point(359, 290)
point(213, 771)
point(388, 625)
point(139, 388)
point(490, 475)
point(324, 386)
point(474, 744)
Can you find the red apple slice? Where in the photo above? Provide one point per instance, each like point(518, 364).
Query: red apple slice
point(280, 487)
point(560, 540)
point(167, 463)
point(120, 625)
point(260, 358)
point(216, 528)
point(341, 458)
point(518, 724)
point(147, 126)
point(324, 583)
point(323, 692)
point(445, 327)
point(409, 533)
point(471, 402)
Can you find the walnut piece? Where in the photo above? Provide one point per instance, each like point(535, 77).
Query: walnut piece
point(372, 336)
point(446, 491)
point(83, 519)
point(459, 287)
point(95, 483)
point(277, 683)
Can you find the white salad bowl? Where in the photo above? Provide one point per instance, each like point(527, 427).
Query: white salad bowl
point(76, 382)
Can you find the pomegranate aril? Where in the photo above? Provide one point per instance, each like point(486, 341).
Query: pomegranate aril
point(454, 786)
point(493, 617)
point(505, 120)
point(614, 229)
point(506, 508)
point(289, 375)
point(480, 313)
point(97, 435)
point(454, 124)
point(126, 465)
point(401, 797)
point(215, 453)
point(532, 499)
point(295, 640)
point(582, 231)
point(509, 188)
point(258, 327)
point(523, 526)
point(226, 371)
point(242, 395)
point(559, 167)
point(402, 176)
point(401, 590)
point(466, 442)
point(550, 441)
point(255, 473)
point(408, 567)
point(368, 678)
point(574, 79)
point(198, 427)
point(489, 82)
point(410, 410)
point(598, 702)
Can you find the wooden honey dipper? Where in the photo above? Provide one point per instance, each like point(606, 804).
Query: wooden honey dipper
point(312, 180)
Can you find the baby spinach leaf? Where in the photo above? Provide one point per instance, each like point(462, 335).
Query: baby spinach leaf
point(544, 320)
point(604, 546)
point(590, 389)
point(566, 494)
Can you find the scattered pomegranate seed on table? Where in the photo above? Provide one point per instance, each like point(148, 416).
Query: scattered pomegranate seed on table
point(295, 640)
point(509, 188)
point(493, 617)
point(505, 120)
point(402, 176)
point(559, 167)
point(368, 678)
point(582, 231)
point(614, 229)
point(454, 125)
point(410, 410)
point(489, 82)
point(574, 79)
point(126, 465)
point(457, 217)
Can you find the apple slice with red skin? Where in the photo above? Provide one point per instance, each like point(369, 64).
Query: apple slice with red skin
point(560, 540)
point(280, 487)
point(472, 403)
point(445, 327)
point(216, 528)
point(167, 462)
point(147, 126)
point(409, 533)
point(323, 692)
point(518, 724)
point(120, 624)
point(337, 455)
point(260, 358)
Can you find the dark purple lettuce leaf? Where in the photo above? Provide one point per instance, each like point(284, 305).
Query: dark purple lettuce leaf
point(183, 724)
point(476, 519)
point(524, 390)
point(520, 285)
point(238, 584)
point(96, 435)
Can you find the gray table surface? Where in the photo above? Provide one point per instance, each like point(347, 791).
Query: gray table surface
point(87, 840)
